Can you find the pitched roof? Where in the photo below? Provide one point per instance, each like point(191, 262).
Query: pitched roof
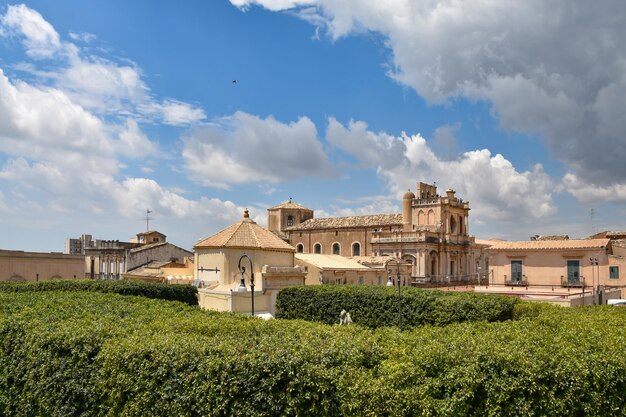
point(288, 204)
point(330, 261)
point(246, 234)
point(372, 220)
point(156, 245)
point(149, 232)
point(376, 262)
point(550, 244)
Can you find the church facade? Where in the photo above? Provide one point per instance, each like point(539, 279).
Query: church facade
point(431, 234)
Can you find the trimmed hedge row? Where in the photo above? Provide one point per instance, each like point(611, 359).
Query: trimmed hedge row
point(184, 293)
point(375, 306)
point(107, 355)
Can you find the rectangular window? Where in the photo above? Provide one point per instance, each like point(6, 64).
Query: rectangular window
point(338, 281)
point(516, 271)
point(573, 272)
point(614, 272)
point(361, 280)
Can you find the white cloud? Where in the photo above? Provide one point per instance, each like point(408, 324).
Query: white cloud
point(39, 37)
point(65, 157)
point(246, 148)
point(556, 69)
point(498, 191)
point(83, 37)
point(134, 143)
point(588, 192)
point(177, 113)
point(94, 82)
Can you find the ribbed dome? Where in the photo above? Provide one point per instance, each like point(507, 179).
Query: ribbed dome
point(408, 195)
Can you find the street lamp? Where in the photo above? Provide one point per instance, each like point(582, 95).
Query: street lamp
point(389, 284)
point(593, 261)
point(242, 285)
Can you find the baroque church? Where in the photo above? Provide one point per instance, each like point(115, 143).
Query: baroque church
point(431, 234)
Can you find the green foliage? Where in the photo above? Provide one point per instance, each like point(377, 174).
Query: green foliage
point(92, 354)
point(375, 306)
point(183, 293)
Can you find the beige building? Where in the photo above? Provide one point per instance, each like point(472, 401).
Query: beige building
point(218, 259)
point(165, 272)
point(580, 271)
point(109, 259)
point(37, 266)
point(360, 270)
point(431, 234)
point(561, 263)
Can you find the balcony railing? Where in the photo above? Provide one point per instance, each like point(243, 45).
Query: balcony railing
point(516, 283)
point(573, 283)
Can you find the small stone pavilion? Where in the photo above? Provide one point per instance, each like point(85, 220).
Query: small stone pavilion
point(217, 260)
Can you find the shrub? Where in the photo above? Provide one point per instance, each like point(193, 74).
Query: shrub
point(104, 354)
point(183, 293)
point(380, 306)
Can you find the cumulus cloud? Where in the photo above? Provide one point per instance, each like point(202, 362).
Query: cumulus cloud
point(39, 37)
point(94, 82)
point(246, 148)
point(63, 155)
point(553, 69)
point(497, 189)
point(588, 192)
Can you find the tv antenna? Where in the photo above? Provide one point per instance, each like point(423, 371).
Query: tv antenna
point(592, 213)
point(148, 218)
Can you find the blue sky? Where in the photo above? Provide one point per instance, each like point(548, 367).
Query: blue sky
point(110, 108)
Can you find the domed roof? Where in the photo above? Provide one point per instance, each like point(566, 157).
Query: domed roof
point(245, 234)
point(408, 195)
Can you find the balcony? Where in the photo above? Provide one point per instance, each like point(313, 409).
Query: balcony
point(516, 283)
point(572, 283)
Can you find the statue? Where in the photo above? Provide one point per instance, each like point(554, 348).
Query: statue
point(344, 318)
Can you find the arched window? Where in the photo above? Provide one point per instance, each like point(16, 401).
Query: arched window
point(300, 248)
point(289, 221)
point(356, 249)
point(431, 217)
point(421, 218)
point(317, 248)
point(452, 224)
point(336, 249)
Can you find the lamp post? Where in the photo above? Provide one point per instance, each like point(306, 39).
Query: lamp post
point(593, 261)
point(390, 283)
point(242, 285)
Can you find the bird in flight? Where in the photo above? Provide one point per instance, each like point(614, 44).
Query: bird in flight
point(234, 81)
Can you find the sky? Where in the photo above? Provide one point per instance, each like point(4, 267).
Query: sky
point(196, 110)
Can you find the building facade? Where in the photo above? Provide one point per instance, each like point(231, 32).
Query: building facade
point(109, 259)
point(218, 259)
point(39, 266)
point(431, 234)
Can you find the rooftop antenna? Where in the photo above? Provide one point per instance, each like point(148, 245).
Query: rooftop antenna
point(593, 223)
point(148, 211)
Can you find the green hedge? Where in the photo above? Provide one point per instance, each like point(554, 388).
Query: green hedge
point(183, 293)
point(375, 306)
point(108, 355)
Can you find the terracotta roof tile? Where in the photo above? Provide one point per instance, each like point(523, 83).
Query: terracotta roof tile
point(372, 220)
point(550, 244)
point(288, 204)
point(245, 234)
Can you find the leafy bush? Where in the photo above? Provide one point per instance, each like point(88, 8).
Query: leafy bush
point(107, 355)
point(183, 293)
point(374, 307)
